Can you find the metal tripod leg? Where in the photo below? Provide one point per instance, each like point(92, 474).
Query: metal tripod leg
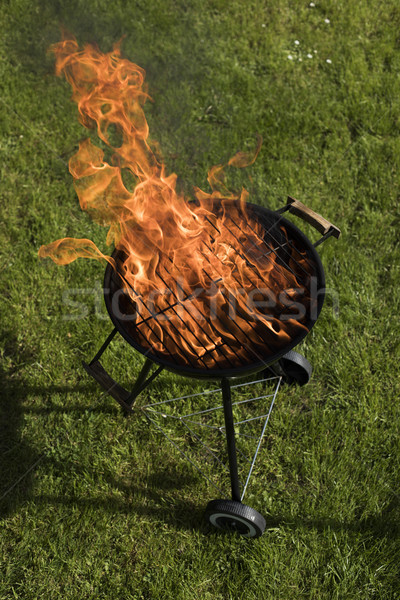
point(104, 346)
point(143, 380)
point(230, 439)
point(119, 393)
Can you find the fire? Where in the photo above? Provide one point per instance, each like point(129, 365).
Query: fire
point(203, 263)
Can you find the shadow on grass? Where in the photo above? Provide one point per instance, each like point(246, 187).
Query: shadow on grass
point(385, 525)
point(186, 515)
point(157, 498)
point(154, 498)
point(16, 456)
point(18, 459)
point(97, 407)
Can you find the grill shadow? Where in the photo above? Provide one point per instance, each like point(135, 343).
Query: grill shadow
point(17, 456)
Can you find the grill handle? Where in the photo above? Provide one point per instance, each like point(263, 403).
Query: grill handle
point(307, 214)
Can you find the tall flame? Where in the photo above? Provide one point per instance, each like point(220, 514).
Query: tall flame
point(174, 251)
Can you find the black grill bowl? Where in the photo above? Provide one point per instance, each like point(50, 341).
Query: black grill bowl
point(272, 223)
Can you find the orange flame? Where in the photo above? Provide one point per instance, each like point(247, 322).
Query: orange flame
point(169, 244)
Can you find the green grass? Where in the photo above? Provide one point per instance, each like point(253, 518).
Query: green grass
point(94, 505)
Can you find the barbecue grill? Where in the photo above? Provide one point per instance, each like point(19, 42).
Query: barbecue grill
point(212, 345)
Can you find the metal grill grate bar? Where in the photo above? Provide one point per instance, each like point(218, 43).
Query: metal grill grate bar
point(276, 265)
point(281, 246)
point(271, 250)
point(250, 322)
point(185, 326)
point(151, 329)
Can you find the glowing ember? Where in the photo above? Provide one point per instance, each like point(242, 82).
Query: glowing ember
point(195, 255)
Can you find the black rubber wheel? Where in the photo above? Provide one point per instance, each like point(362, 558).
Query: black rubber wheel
point(296, 368)
point(233, 516)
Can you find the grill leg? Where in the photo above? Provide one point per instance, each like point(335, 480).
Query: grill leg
point(104, 346)
point(143, 380)
point(230, 438)
point(122, 395)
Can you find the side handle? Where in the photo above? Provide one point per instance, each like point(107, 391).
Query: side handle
point(310, 216)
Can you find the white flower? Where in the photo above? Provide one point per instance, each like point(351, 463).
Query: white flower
point(328, 60)
point(297, 43)
point(311, 5)
point(263, 25)
point(327, 21)
point(300, 59)
point(290, 57)
point(309, 55)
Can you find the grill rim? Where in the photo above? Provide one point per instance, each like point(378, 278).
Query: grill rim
point(251, 367)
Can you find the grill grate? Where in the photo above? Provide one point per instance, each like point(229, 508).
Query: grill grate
point(211, 349)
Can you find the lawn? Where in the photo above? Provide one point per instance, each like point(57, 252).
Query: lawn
point(97, 505)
